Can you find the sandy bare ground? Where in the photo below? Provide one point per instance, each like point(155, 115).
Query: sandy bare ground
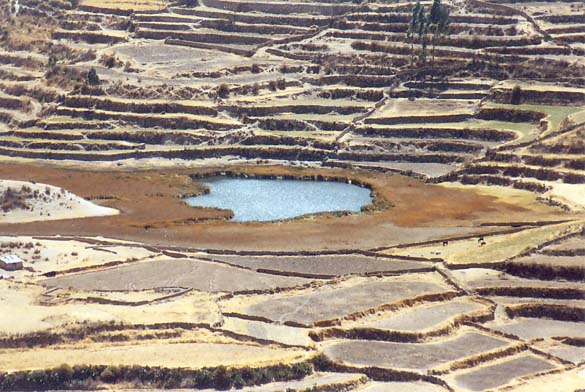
point(273, 332)
point(52, 203)
point(29, 315)
point(571, 194)
point(53, 255)
point(402, 387)
point(554, 382)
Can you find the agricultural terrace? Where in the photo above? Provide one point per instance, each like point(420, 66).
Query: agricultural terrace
point(465, 119)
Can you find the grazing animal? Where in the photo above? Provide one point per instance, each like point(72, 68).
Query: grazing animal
point(482, 243)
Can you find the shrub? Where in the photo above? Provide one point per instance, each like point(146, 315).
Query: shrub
point(13, 199)
point(222, 378)
point(64, 372)
point(128, 67)
point(110, 61)
point(109, 374)
point(85, 376)
point(301, 369)
point(321, 363)
point(281, 84)
point(238, 381)
point(223, 90)
point(92, 77)
point(516, 96)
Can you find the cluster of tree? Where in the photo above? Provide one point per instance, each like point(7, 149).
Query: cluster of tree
point(279, 84)
point(516, 95)
point(422, 24)
point(88, 376)
point(92, 77)
point(223, 90)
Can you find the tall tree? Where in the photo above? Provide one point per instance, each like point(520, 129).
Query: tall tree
point(92, 77)
point(413, 29)
point(423, 29)
point(435, 12)
point(438, 21)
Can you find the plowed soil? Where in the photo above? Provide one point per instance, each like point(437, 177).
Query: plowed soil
point(175, 273)
point(419, 356)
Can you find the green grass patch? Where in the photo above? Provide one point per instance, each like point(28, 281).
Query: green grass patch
point(556, 115)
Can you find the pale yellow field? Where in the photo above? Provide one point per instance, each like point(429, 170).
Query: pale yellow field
point(498, 248)
point(189, 355)
point(555, 382)
point(27, 315)
point(136, 5)
point(425, 107)
point(504, 194)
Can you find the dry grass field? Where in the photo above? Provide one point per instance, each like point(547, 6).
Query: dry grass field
point(134, 5)
point(463, 272)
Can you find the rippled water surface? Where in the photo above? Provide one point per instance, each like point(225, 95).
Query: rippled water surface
point(267, 200)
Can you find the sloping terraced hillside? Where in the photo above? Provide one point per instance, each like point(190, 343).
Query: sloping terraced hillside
point(419, 317)
point(335, 84)
point(485, 303)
